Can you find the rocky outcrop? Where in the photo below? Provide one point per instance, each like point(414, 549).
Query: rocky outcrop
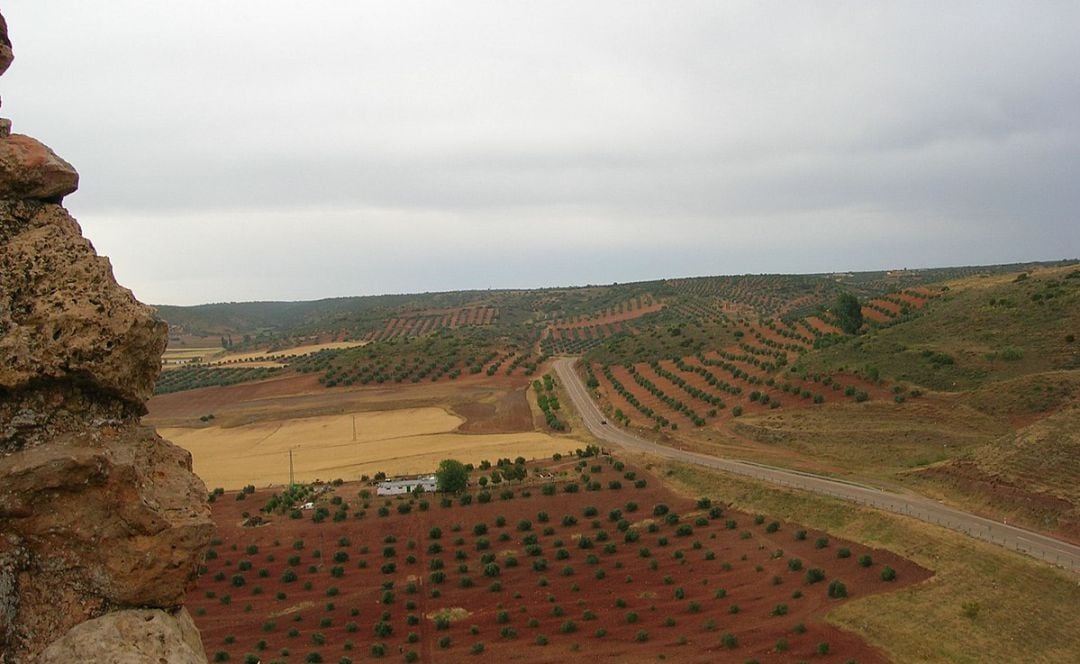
point(65, 322)
point(148, 635)
point(102, 523)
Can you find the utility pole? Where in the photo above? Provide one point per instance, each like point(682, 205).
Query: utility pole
point(354, 428)
point(290, 468)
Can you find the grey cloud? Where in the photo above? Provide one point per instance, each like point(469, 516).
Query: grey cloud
point(673, 127)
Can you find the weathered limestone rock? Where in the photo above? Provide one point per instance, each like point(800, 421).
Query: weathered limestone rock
point(130, 637)
point(102, 523)
point(106, 519)
point(30, 170)
point(64, 321)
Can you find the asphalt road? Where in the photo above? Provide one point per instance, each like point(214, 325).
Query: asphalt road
point(1046, 548)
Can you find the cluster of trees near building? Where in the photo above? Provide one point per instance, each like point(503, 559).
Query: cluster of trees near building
point(452, 475)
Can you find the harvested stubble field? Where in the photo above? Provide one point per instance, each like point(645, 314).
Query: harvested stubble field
point(532, 576)
point(399, 428)
point(401, 441)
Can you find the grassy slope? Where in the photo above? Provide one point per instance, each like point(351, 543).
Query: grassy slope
point(987, 342)
point(1031, 476)
point(875, 438)
point(1027, 611)
point(1046, 452)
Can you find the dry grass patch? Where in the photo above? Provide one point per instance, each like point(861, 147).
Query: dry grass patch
point(877, 439)
point(300, 606)
point(451, 614)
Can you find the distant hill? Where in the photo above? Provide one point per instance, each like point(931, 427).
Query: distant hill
point(524, 315)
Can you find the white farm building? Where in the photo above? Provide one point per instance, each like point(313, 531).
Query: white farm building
point(399, 485)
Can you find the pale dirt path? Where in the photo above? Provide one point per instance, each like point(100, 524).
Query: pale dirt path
point(1040, 546)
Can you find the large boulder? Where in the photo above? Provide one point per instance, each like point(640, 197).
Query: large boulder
point(109, 518)
point(130, 637)
point(30, 170)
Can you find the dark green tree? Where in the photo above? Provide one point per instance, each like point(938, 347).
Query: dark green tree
point(848, 313)
point(452, 476)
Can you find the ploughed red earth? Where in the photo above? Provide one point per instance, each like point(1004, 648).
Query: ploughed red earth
point(605, 572)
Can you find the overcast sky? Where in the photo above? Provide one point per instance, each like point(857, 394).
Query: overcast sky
point(295, 150)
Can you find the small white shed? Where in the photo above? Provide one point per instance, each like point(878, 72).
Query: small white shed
point(400, 485)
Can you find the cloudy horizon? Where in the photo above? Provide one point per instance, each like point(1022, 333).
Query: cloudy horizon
point(271, 151)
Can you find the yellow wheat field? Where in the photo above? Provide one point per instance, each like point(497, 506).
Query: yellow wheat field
point(397, 441)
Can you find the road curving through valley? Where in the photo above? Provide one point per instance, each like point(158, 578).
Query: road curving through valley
point(1054, 551)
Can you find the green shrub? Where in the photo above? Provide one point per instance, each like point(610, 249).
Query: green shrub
point(837, 589)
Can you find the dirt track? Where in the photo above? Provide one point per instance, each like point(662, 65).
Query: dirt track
point(1049, 549)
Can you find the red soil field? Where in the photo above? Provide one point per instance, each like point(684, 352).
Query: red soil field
point(611, 316)
point(822, 326)
point(673, 390)
point(698, 381)
point(925, 293)
point(772, 335)
point(608, 392)
point(722, 373)
point(911, 298)
point(891, 307)
point(647, 398)
point(680, 590)
point(871, 314)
